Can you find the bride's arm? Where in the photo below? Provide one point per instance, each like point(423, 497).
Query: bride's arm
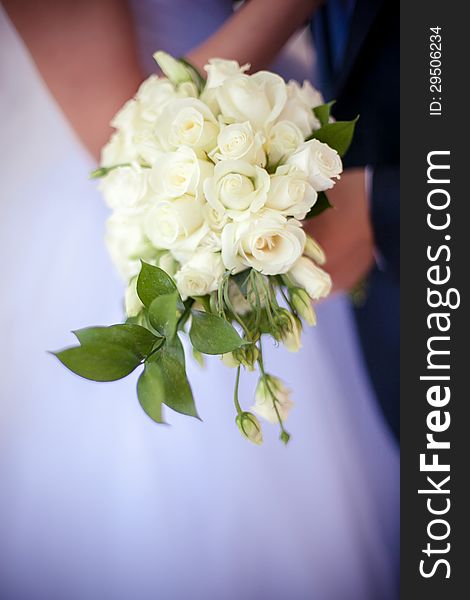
point(256, 32)
point(86, 51)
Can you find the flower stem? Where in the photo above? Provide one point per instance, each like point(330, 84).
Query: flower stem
point(235, 393)
point(269, 388)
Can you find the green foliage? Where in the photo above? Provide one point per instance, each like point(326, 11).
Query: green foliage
point(164, 314)
point(99, 361)
point(337, 135)
point(323, 112)
point(151, 391)
point(211, 334)
point(135, 338)
point(153, 282)
point(177, 391)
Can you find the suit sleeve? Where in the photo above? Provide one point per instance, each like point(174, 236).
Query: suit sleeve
point(385, 212)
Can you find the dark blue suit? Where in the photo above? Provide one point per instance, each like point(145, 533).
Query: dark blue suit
point(366, 82)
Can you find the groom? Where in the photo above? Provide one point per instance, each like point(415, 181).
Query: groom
point(357, 43)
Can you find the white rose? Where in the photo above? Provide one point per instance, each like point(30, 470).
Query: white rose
point(133, 303)
point(167, 262)
point(133, 139)
point(290, 193)
point(118, 150)
point(216, 219)
point(128, 117)
point(124, 187)
point(299, 105)
point(171, 221)
point(239, 142)
point(314, 280)
point(283, 139)
point(237, 188)
point(319, 162)
point(200, 275)
point(264, 401)
point(153, 94)
point(218, 70)
point(187, 122)
point(127, 242)
point(178, 173)
point(257, 98)
point(270, 244)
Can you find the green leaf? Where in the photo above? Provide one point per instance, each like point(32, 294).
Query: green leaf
point(320, 205)
point(178, 395)
point(153, 282)
point(175, 348)
point(100, 361)
point(323, 112)
point(164, 314)
point(151, 391)
point(137, 339)
point(211, 334)
point(337, 135)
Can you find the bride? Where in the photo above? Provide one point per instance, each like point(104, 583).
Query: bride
point(97, 501)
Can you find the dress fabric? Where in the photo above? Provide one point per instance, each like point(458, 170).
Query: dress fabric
point(99, 502)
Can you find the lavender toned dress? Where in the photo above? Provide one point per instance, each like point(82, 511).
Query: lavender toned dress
point(98, 502)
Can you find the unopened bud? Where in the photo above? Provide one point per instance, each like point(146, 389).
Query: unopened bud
point(303, 305)
point(247, 356)
point(174, 69)
point(314, 251)
point(250, 427)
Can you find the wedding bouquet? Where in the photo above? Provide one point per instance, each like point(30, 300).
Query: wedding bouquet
point(208, 182)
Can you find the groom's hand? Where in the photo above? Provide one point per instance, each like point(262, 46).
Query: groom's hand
point(345, 231)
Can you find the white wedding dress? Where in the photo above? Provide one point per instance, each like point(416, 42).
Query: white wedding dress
point(97, 501)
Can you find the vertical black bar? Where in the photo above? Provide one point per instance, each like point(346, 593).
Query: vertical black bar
point(434, 118)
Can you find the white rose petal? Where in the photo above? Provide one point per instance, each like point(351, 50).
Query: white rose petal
point(218, 70)
point(257, 98)
point(124, 187)
point(298, 108)
point(133, 303)
point(127, 242)
point(290, 193)
point(314, 280)
point(270, 244)
point(120, 149)
point(239, 142)
point(187, 122)
point(171, 221)
point(319, 162)
point(153, 94)
point(178, 173)
point(283, 139)
point(200, 275)
point(237, 188)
